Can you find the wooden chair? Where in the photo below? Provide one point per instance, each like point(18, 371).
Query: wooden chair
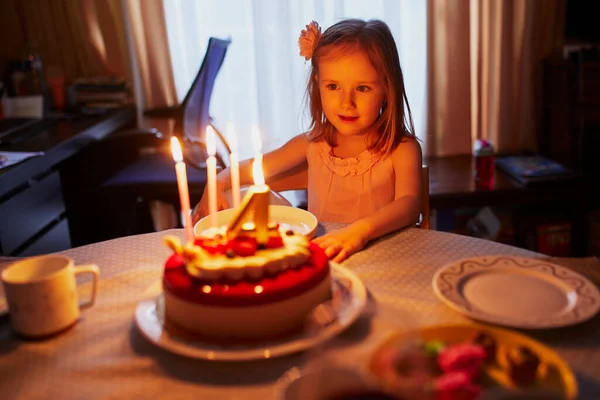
point(424, 224)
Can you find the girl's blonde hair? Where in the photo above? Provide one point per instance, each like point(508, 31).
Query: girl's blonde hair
point(375, 39)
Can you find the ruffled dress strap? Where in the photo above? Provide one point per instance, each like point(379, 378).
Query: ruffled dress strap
point(347, 166)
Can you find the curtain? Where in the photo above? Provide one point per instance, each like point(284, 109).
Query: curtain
point(263, 78)
point(95, 38)
point(73, 38)
point(149, 54)
point(485, 72)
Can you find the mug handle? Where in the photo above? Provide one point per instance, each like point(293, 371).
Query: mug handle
point(95, 272)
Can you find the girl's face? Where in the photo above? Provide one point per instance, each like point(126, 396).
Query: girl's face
point(352, 92)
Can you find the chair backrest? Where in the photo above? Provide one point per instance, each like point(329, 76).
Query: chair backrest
point(197, 101)
point(424, 224)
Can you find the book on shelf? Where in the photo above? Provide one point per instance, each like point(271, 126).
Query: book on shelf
point(101, 92)
point(100, 84)
point(531, 169)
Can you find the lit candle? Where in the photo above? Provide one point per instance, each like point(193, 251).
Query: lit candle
point(258, 157)
point(182, 184)
point(235, 166)
point(211, 174)
point(256, 201)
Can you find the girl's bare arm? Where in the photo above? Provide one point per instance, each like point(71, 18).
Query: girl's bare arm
point(404, 210)
point(284, 168)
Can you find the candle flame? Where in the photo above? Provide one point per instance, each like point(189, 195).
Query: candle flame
point(231, 137)
point(257, 172)
point(211, 141)
point(176, 149)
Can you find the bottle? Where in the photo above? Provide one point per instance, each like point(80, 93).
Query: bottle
point(483, 152)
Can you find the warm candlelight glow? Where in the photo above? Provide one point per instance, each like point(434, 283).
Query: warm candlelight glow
point(256, 202)
point(182, 185)
point(176, 149)
point(257, 167)
point(234, 165)
point(211, 141)
point(257, 173)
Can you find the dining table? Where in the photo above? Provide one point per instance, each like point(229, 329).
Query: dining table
point(104, 356)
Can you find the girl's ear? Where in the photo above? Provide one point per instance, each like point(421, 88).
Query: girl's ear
point(316, 78)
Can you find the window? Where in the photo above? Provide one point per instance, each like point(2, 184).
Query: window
point(263, 79)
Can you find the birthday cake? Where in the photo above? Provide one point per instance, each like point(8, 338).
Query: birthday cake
point(237, 289)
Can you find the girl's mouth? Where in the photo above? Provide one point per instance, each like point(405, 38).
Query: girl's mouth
point(345, 118)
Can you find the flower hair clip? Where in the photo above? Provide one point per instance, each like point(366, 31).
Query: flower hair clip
point(308, 40)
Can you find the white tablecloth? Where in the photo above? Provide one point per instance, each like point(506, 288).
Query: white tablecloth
point(105, 357)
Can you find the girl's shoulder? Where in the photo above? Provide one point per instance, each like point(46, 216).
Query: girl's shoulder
point(407, 152)
point(317, 147)
point(407, 144)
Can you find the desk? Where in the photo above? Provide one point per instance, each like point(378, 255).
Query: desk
point(32, 204)
point(105, 357)
point(451, 186)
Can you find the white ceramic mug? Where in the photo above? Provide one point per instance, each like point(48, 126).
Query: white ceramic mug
point(42, 296)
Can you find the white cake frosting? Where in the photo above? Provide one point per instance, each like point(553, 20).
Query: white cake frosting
point(212, 267)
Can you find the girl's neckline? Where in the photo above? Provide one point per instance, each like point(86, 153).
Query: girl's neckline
point(352, 166)
point(359, 155)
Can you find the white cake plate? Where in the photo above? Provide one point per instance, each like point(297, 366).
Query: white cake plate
point(149, 318)
point(518, 292)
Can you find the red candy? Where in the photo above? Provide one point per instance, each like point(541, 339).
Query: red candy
point(317, 255)
point(455, 385)
point(243, 246)
point(464, 357)
point(212, 246)
point(275, 242)
point(175, 261)
point(178, 280)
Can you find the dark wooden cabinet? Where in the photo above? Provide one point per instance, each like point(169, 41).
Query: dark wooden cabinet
point(29, 211)
point(456, 198)
point(33, 204)
point(570, 131)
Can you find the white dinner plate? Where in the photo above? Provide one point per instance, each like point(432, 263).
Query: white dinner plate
point(293, 218)
point(517, 292)
point(149, 318)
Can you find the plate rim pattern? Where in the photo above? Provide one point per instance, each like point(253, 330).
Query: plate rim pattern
point(448, 278)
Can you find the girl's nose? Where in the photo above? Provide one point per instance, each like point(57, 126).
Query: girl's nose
point(347, 100)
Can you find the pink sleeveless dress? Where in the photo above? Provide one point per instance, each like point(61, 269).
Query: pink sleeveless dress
point(347, 189)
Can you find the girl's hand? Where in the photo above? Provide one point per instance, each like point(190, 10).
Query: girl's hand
point(201, 209)
point(341, 244)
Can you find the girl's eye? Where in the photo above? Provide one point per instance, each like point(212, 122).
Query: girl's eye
point(363, 88)
point(331, 86)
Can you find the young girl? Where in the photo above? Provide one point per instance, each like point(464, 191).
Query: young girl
point(360, 160)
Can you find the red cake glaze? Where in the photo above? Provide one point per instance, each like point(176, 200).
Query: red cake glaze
point(268, 289)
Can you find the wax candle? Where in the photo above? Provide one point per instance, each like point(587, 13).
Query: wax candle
point(182, 185)
point(234, 166)
point(256, 201)
point(211, 174)
point(258, 157)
